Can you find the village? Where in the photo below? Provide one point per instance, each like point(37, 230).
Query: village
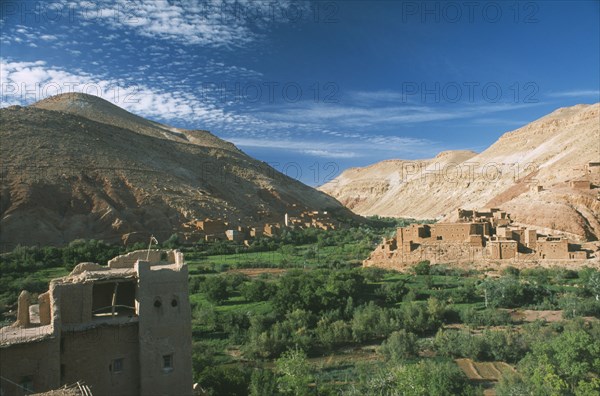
point(484, 235)
point(211, 230)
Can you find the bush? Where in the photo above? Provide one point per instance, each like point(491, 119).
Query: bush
point(422, 268)
point(400, 345)
point(392, 292)
point(431, 378)
point(293, 373)
point(371, 322)
point(262, 382)
point(331, 333)
point(221, 380)
point(485, 317)
point(215, 289)
point(458, 343)
point(258, 290)
point(425, 378)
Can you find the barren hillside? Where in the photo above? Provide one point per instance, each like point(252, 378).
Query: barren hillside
point(76, 166)
point(549, 152)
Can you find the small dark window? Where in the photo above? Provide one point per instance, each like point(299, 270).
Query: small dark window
point(174, 302)
point(168, 362)
point(117, 365)
point(157, 303)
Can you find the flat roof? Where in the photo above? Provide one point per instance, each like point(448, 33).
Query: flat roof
point(11, 335)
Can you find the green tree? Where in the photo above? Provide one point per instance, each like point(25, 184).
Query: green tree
point(262, 382)
point(422, 268)
point(400, 345)
point(568, 364)
point(293, 373)
point(172, 242)
point(593, 284)
point(215, 288)
point(429, 378)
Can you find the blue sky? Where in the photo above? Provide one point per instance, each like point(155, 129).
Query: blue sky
point(313, 85)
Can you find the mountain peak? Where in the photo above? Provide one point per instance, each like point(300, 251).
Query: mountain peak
point(60, 101)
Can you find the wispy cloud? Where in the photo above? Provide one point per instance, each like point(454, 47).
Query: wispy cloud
point(26, 82)
point(341, 148)
point(214, 23)
point(361, 115)
point(576, 94)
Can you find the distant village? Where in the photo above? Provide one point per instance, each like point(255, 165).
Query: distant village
point(211, 230)
point(478, 235)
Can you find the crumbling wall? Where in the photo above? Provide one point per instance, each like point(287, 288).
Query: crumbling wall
point(129, 259)
point(45, 308)
point(74, 302)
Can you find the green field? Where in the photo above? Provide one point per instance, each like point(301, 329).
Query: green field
point(299, 315)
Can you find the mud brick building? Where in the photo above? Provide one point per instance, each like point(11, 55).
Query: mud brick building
point(122, 328)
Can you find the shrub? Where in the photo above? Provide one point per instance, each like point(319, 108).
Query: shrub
point(400, 345)
point(422, 268)
point(485, 317)
point(392, 292)
point(293, 373)
point(215, 288)
point(258, 290)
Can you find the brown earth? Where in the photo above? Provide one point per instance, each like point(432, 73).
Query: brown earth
point(549, 152)
point(76, 166)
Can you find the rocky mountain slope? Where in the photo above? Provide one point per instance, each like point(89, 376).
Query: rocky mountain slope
point(76, 166)
point(550, 152)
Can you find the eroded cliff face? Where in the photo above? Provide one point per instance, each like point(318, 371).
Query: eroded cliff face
point(528, 172)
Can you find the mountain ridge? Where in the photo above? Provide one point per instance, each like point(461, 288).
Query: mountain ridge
point(66, 176)
point(550, 152)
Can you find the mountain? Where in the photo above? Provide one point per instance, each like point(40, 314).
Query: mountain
point(76, 166)
point(551, 152)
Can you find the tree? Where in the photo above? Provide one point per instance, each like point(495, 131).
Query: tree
point(506, 292)
point(293, 373)
point(173, 242)
point(215, 288)
point(568, 364)
point(257, 290)
point(400, 345)
point(594, 284)
point(262, 382)
point(429, 378)
point(422, 268)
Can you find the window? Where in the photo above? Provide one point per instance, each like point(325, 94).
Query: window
point(113, 298)
point(117, 365)
point(168, 363)
point(157, 302)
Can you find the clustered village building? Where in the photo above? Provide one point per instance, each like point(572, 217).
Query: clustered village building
point(218, 229)
point(487, 234)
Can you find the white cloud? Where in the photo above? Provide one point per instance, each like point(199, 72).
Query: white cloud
point(346, 148)
point(26, 82)
point(331, 154)
point(215, 23)
point(576, 94)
